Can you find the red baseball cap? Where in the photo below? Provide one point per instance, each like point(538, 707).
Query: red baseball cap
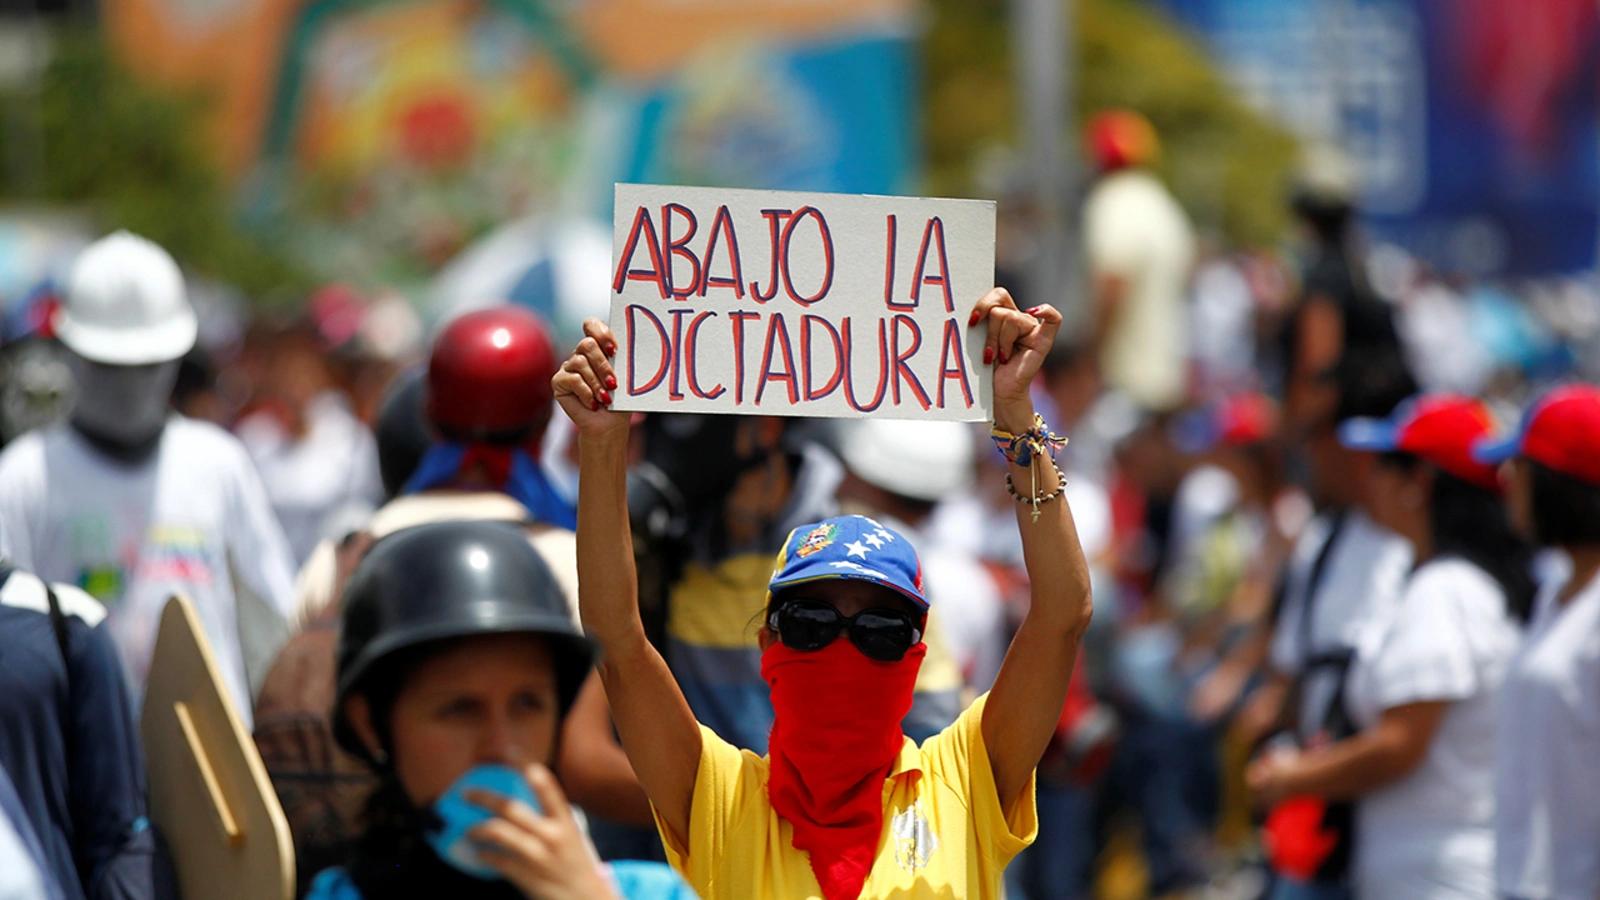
point(1560, 431)
point(1439, 428)
point(1245, 419)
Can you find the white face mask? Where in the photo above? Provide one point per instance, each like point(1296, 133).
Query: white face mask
point(123, 404)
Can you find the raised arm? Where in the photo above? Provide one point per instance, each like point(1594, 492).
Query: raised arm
point(653, 719)
point(1025, 703)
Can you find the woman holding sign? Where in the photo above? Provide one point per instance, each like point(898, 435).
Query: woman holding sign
point(844, 806)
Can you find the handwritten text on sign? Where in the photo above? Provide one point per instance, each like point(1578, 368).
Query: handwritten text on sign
point(781, 303)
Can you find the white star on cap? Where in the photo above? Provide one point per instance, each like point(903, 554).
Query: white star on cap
point(857, 567)
point(874, 540)
point(884, 534)
point(855, 548)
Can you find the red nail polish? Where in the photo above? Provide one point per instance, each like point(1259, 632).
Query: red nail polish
point(605, 397)
point(611, 382)
point(611, 349)
point(1003, 357)
point(594, 404)
point(1034, 310)
point(988, 355)
point(974, 320)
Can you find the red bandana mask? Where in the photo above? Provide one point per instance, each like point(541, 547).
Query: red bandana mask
point(835, 737)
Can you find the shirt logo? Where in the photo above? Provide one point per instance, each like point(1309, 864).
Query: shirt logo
point(914, 841)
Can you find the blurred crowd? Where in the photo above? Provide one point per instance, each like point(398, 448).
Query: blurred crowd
point(1309, 590)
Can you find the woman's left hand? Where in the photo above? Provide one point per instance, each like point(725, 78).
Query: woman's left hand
point(1016, 346)
point(545, 856)
point(1267, 779)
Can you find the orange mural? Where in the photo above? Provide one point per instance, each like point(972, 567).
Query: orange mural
point(235, 51)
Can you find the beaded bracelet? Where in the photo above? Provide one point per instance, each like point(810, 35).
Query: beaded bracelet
point(1037, 498)
point(1023, 448)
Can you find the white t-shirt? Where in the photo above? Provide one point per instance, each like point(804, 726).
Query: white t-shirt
point(1547, 817)
point(1362, 579)
point(1136, 231)
point(1430, 835)
point(333, 466)
point(193, 519)
point(20, 878)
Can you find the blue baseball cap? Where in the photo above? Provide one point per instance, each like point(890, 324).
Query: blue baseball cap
point(853, 547)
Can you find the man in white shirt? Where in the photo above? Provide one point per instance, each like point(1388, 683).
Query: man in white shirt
point(1140, 248)
point(318, 461)
point(131, 502)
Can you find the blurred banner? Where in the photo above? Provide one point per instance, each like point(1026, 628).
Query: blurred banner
point(392, 132)
point(1473, 122)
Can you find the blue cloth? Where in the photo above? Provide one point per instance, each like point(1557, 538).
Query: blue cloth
point(1059, 865)
point(527, 483)
point(70, 744)
point(633, 880)
point(1286, 888)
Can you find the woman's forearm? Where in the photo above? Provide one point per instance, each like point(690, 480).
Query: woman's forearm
point(1359, 765)
point(607, 579)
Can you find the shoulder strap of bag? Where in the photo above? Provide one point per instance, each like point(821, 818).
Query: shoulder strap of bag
point(1319, 567)
point(58, 622)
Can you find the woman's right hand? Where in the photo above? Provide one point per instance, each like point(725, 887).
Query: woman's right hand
point(544, 854)
point(585, 382)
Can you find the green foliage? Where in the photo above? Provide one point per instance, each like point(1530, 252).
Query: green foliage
point(1226, 163)
point(136, 158)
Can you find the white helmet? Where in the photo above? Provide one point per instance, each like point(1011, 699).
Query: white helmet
point(923, 460)
point(126, 304)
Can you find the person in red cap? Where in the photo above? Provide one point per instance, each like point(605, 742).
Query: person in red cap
point(1424, 682)
point(1140, 248)
point(1547, 800)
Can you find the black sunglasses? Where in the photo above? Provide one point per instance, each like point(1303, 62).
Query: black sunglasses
point(880, 633)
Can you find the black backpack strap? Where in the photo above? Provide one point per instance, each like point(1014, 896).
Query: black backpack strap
point(58, 621)
point(1319, 567)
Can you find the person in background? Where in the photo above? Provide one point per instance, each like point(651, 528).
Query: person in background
point(485, 398)
point(482, 407)
point(69, 740)
point(1547, 800)
point(1338, 312)
point(747, 482)
point(1139, 248)
point(897, 472)
point(1423, 687)
point(844, 805)
point(1343, 572)
point(318, 461)
point(459, 664)
point(132, 503)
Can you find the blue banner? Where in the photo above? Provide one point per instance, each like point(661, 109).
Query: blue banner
point(1473, 122)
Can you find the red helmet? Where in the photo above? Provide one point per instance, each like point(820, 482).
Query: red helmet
point(489, 377)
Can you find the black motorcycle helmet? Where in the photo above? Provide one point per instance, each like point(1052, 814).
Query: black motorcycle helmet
point(402, 433)
point(444, 580)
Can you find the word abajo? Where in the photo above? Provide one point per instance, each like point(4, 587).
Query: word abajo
point(702, 336)
point(768, 373)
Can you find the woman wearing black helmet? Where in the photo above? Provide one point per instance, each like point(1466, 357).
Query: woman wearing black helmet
point(458, 662)
point(844, 806)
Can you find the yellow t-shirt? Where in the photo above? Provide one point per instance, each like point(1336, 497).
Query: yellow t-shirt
point(945, 836)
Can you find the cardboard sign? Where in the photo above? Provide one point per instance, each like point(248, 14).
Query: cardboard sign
point(209, 793)
point(781, 303)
